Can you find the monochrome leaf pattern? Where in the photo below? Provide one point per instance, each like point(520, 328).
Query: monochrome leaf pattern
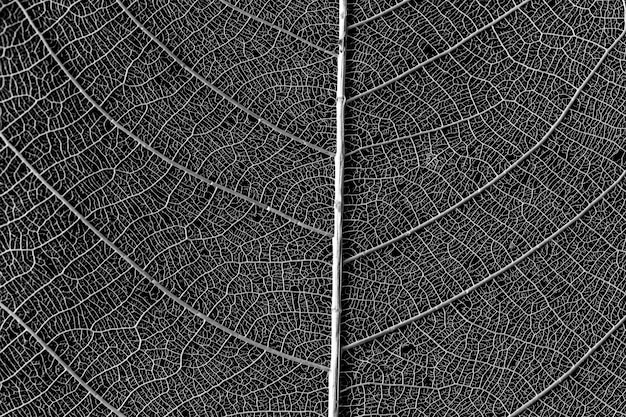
point(177, 208)
point(484, 225)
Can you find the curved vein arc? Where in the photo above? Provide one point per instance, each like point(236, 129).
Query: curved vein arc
point(379, 14)
point(442, 54)
point(507, 170)
point(276, 27)
point(491, 277)
point(600, 342)
point(216, 90)
point(570, 371)
point(147, 276)
point(160, 155)
point(61, 362)
point(424, 132)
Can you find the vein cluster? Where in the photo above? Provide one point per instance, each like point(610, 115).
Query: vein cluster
point(167, 194)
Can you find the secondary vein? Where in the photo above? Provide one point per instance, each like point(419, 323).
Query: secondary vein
point(278, 28)
point(511, 167)
point(442, 54)
point(225, 96)
point(491, 277)
point(147, 276)
point(61, 362)
point(147, 146)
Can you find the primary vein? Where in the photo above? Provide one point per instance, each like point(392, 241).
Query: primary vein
point(337, 263)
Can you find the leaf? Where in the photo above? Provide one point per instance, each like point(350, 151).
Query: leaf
point(166, 246)
point(184, 188)
point(483, 218)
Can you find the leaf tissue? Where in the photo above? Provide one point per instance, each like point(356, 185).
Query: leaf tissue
point(312, 208)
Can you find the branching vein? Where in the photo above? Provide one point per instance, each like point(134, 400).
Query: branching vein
point(491, 277)
point(217, 90)
point(142, 272)
point(61, 362)
point(278, 28)
point(510, 168)
point(441, 54)
point(147, 146)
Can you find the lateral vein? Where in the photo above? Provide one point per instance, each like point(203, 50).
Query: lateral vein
point(379, 14)
point(61, 362)
point(491, 277)
point(216, 90)
point(147, 276)
point(148, 147)
point(278, 28)
point(442, 54)
point(570, 371)
point(507, 170)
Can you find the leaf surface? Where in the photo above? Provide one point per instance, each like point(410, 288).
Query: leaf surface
point(173, 174)
point(168, 190)
point(484, 219)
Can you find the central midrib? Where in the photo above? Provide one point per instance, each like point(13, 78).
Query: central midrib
point(335, 348)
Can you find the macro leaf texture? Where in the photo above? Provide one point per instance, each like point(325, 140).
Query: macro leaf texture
point(185, 184)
